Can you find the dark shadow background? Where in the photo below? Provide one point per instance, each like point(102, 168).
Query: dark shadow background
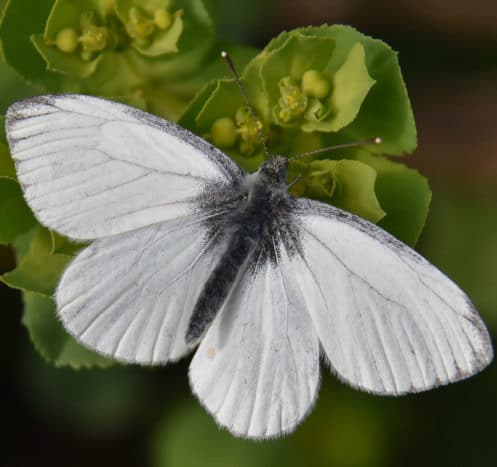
point(448, 53)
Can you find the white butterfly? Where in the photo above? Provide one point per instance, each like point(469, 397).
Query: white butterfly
point(188, 249)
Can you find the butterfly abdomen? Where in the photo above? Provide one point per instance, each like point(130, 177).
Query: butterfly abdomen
point(219, 284)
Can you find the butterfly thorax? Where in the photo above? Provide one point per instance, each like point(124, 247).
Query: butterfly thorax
point(261, 196)
point(274, 170)
point(263, 191)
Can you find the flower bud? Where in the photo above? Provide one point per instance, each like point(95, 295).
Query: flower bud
point(223, 132)
point(138, 27)
point(93, 39)
point(67, 40)
point(292, 102)
point(315, 84)
point(162, 18)
point(248, 130)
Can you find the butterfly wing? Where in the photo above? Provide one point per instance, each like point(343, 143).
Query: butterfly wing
point(389, 321)
point(150, 192)
point(257, 368)
point(90, 168)
point(130, 296)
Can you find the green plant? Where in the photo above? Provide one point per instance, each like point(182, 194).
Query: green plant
point(311, 88)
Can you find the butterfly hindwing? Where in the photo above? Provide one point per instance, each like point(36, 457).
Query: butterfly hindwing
point(257, 368)
point(130, 296)
point(90, 168)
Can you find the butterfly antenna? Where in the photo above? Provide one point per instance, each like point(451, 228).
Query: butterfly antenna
point(375, 140)
point(232, 69)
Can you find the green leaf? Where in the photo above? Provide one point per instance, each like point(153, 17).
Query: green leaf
point(254, 85)
point(214, 68)
point(386, 111)
point(351, 84)
point(21, 19)
point(220, 99)
point(7, 168)
point(197, 39)
point(404, 194)
point(117, 74)
point(355, 188)
point(223, 99)
point(63, 245)
point(51, 340)
point(166, 42)
point(39, 270)
point(188, 119)
point(67, 14)
point(347, 184)
point(15, 215)
point(22, 243)
point(68, 64)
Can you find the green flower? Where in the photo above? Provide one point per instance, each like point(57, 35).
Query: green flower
point(347, 184)
point(311, 98)
point(229, 126)
point(317, 87)
point(78, 35)
point(156, 51)
point(384, 192)
point(300, 87)
point(242, 131)
point(153, 27)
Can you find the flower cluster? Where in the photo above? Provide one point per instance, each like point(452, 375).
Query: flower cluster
point(77, 37)
point(312, 88)
point(144, 52)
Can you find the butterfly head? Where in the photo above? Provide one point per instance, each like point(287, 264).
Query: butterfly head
point(275, 170)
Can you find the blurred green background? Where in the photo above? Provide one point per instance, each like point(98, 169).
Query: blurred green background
point(132, 416)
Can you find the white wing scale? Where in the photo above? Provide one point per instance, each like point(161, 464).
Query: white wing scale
point(90, 168)
point(389, 321)
point(257, 368)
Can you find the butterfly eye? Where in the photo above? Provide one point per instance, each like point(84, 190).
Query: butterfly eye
point(243, 196)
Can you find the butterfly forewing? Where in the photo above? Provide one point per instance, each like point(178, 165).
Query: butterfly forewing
point(388, 320)
point(153, 194)
point(91, 168)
